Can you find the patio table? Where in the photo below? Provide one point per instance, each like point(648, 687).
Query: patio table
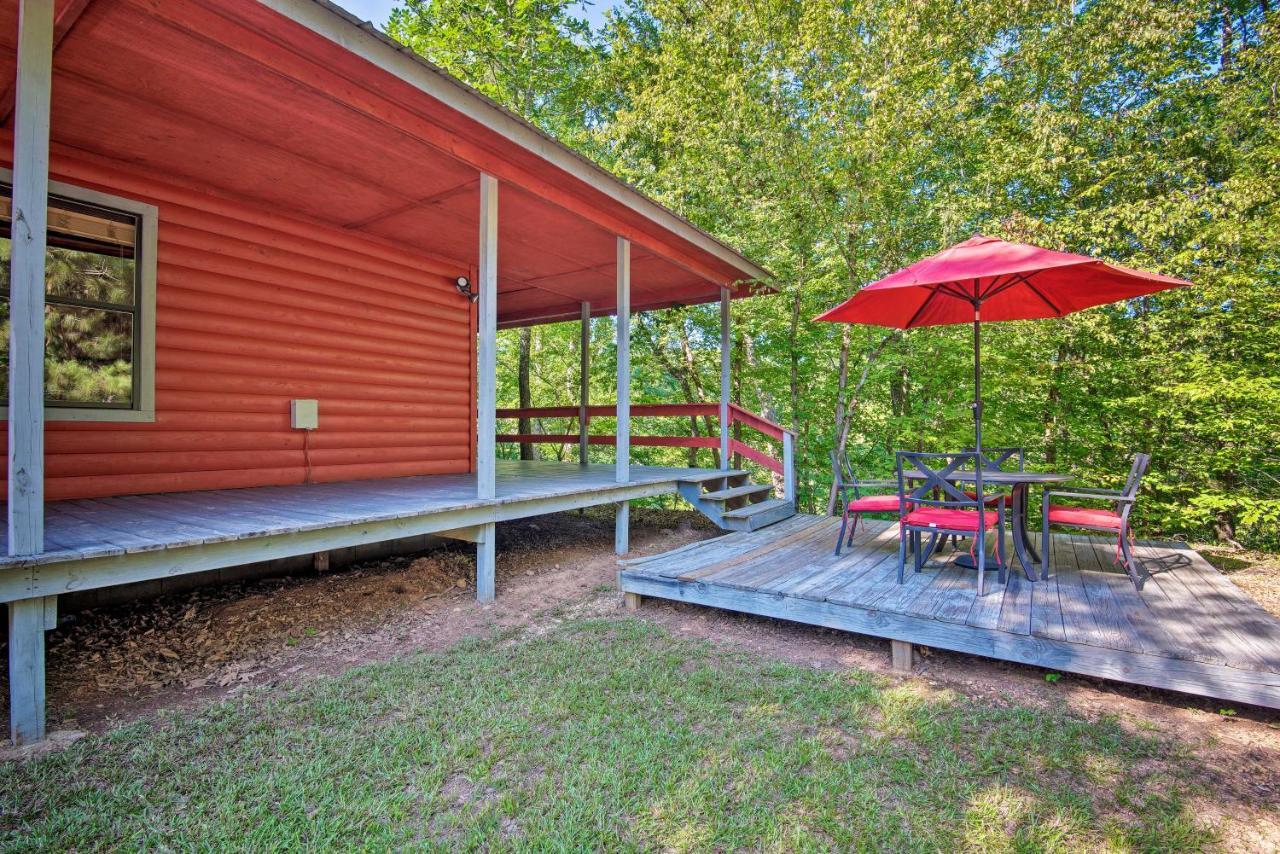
point(1020, 482)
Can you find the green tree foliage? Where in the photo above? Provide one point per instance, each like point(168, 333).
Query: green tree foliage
point(835, 141)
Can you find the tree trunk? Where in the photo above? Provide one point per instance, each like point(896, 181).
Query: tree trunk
point(1053, 406)
point(524, 424)
point(1228, 34)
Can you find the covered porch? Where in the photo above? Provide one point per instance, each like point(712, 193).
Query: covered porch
point(327, 234)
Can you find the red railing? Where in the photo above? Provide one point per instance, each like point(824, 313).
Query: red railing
point(737, 415)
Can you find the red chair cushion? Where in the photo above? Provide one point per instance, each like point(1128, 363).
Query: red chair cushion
point(952, 520)
point(991, 500)
point(874, 504)
point(1093, 517)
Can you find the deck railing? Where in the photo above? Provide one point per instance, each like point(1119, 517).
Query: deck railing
point(784, 468)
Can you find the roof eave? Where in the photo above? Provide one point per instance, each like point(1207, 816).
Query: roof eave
point(336, 24)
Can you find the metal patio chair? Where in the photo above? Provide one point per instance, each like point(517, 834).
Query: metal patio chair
point(997, 459)
point(1114, 521)
point(853, 503)
point(931, 503)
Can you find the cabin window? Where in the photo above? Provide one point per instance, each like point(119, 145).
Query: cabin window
point(99, 298)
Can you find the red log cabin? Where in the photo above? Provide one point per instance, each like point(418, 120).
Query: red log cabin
point(264, 251)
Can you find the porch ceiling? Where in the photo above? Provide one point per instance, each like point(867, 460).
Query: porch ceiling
point(260, 104)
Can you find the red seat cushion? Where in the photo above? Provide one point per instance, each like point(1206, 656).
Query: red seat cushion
point(1090, 516)
point(874, 504)
point(991, 500)
point(951, 520)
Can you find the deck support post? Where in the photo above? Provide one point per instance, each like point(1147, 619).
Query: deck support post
point(726, 354)
point(28, 620)
point(486, 563)
point(486, 350)
point(34, 81)
point(631, 601)
point(486, 374)
point(903, 656)
point(622, 471)
point(584, 384)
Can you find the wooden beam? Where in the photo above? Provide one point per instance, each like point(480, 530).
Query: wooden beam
point(725, 376)
point(26, 273)
point(584, 385)
point(486, 350)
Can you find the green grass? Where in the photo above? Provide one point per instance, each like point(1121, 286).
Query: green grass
point(607, 734)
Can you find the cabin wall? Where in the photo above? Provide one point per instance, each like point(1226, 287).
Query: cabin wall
point(255, 308)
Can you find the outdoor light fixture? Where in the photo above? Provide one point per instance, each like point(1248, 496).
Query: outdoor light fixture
point(463, 284)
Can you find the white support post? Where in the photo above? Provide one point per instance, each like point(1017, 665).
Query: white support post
point(486, 373)
point(486, 352)
point(27, 624)
point(486, 563)
point(622, 531)
point(725, 361)
point(26, 277)
point(26, 357)
point(584, 385)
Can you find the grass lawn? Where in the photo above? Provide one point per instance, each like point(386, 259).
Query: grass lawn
point(607, 734)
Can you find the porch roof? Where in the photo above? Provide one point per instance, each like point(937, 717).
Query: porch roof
point(297, 106)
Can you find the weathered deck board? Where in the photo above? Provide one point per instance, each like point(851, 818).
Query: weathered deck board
point(1190, 629)
point(102, 542)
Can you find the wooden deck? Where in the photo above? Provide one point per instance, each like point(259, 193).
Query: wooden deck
point(1189, 629)
point(105, 541)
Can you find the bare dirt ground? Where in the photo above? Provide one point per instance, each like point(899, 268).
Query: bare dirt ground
point(115, 664)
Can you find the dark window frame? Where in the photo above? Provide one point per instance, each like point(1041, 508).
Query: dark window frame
point(133, 308)
point(141, 408)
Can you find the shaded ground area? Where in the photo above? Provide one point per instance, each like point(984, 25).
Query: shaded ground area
point(1208, 777)
point(111, 663)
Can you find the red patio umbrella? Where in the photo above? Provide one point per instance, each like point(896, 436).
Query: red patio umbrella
point(984, 278)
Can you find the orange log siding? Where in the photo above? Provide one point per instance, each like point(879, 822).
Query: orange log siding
point(254, 308)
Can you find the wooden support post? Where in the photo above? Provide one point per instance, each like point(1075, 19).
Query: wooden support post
point(725, 375)
point(903, 656)
point(622, 528)
point(622, 471)
point(631, 601)
point(26, 277)
point(486, 351)
point(320, 560)
point(27, 623)
point(584, 385)
point(486, 563)
point(30, 205)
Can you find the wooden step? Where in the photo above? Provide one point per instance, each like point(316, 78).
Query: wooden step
point(701, 476)
point(736, 492)
point(756, 516)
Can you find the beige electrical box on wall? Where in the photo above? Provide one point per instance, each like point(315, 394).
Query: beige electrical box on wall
point(304, 414)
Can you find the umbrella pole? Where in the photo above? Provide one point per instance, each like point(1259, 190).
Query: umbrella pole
point(977, 377)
